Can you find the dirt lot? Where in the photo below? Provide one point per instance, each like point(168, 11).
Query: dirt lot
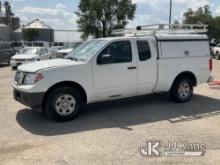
point(110, 132)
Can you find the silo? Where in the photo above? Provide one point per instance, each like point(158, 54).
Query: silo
point(45, 32)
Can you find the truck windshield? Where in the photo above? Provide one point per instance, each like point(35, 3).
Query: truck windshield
point(29, 51)
point(86, 50)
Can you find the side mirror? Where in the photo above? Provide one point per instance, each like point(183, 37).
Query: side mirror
point(105, 59)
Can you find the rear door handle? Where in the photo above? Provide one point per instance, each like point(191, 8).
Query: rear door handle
point(132, 67)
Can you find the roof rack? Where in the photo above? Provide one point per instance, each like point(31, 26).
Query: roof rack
point(163, 28)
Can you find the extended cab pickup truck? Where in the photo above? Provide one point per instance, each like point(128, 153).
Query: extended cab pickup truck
point(115, 68)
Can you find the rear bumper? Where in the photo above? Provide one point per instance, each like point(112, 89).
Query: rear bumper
point(33, 100)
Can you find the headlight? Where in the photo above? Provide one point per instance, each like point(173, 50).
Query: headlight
point(32, 78)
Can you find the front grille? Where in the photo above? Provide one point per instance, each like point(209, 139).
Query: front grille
point(20, 60)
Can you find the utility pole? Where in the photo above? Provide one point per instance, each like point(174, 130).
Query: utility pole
point(170, 18)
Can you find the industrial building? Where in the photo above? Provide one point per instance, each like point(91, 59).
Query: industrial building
point(5, 34)
point(11, 30)
point(8, 23)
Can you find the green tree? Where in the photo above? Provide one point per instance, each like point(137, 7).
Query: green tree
point(30, 34)
point(99, 17)
point(202, 15)
point(214, 28)
point(176, 24)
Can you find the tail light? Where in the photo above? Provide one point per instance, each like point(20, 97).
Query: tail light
point(210, 65)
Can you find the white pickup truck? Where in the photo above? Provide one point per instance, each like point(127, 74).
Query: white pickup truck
point(115, 68)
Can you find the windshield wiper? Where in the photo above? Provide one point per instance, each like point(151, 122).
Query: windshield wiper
point(75, 59)
point(72, 58)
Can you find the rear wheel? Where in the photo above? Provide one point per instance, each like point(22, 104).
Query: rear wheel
point(182, 90)
point(63, 104)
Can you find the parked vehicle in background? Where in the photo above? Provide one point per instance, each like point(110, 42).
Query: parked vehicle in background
point(28, 44)
point(216, 52)
point(18, 45)
point(6, 52)
point(67, 48)
point(30, 54)
point(212, 45)
point(57, 44)
point(41, 44)
point(54, 49)
point(115, 68)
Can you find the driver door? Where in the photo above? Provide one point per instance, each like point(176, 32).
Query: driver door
point(115, 71)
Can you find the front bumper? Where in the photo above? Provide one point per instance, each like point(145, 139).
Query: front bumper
point(16, 63)
point(33, 100)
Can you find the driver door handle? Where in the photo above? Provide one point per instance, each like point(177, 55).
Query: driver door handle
point(132, 67)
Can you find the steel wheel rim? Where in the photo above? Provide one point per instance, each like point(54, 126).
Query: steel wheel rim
point(65, 105)
point(184, 90)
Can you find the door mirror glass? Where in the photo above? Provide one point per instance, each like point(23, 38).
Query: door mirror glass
point(105, 59)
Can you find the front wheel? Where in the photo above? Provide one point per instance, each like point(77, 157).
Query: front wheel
point(63, 104)
point(182, 90)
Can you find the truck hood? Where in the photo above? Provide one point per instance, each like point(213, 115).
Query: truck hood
point(64, 51)
point(24, 56)
point(47, 64)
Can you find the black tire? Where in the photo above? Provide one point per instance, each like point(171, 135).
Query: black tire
point(51, 100)
point(14, 68)
point(217, 56)
point(181, 96)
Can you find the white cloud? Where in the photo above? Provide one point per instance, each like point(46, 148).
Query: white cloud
point(148, 12)
point(58, 17)
point(217, 11)
point(60, 6)
point(157, 11)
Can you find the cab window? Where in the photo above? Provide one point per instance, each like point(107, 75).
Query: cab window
point(143, 50)
point(116, 52)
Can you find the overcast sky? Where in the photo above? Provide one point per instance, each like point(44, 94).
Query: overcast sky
point(59, 14)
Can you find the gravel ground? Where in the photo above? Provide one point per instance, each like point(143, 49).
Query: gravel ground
point(109, 132)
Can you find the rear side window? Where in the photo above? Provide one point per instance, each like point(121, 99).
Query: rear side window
point(143, 50)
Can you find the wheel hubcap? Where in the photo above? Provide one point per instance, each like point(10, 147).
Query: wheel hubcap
point(65, 105)
point(184, 90)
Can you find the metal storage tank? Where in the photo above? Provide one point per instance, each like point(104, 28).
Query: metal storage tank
point(46, 33)
point(4, 33)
